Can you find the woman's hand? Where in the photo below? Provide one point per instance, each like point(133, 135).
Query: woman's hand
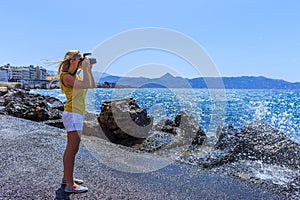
point(85, 64)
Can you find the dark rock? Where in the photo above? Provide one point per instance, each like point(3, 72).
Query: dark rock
point(167, 126)
point(217, 158)
point(294, 185)
point(157, 140)
point(185, 129)
point(183, 123)
point(178, 119)
point(227, 139)
point(54, 103)
point(199, 138)
point(225, 149)
point(266, 143)
point(56, 123)
point(124, 122)
point(20, 103)
point(257, 141)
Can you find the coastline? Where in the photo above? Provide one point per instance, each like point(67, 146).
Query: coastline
point(31, 154)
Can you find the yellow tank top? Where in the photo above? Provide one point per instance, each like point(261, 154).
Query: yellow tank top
point(75, 97)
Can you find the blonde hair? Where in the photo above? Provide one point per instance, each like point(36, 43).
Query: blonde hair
point(65, 63)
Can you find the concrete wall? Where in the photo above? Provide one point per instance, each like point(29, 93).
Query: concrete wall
point(10, 85)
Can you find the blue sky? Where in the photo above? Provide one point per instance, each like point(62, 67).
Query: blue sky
point(242, 37)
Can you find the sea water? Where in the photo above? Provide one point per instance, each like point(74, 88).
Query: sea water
point(278, 108)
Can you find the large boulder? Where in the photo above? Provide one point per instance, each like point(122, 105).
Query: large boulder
point(124, 122)
point(263, 142)
point(256, 141)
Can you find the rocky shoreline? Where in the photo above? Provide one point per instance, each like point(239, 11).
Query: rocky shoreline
point(240, 154)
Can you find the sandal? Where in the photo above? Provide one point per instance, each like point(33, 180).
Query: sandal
point(80, 189)
point(76, 180)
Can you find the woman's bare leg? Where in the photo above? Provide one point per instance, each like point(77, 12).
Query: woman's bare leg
point(69, 157)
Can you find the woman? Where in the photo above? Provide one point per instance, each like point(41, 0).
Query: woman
point(75, 88)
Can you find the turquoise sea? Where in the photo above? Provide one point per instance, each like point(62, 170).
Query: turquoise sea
point(211, 108)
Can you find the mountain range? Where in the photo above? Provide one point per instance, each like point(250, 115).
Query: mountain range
point(169, 81)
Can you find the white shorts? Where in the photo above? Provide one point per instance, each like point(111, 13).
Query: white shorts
point(72, 121)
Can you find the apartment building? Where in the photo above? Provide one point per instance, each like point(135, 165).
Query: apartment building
point(13, 73)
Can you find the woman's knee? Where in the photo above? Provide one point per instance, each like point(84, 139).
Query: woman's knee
point(72, 149)
point(73, 142)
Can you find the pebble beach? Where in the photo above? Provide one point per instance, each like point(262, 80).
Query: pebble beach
point(31, 168)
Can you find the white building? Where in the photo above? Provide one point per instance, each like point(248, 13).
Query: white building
point(41, 73)
point(9, 73)
point(26, 74)
point(17, 73)
point(30, 72)
point(3, 75)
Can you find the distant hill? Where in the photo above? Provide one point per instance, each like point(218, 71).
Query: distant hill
point(250, 82)
point(52, 72)
point(169, 81)
point(247, 82)
point(166, 81)
point(98, 75)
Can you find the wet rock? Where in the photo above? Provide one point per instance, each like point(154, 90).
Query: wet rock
point(156, 141)
point(257, 141)
point(227, 138)
point(226, 148)
point(263, 142)
point(167, 134)
point(184, 131)
point(217, 158)
point(124, 122)
point(199, 138)
point(294, 186)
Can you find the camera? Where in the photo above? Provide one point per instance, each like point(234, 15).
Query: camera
point(92, 60)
